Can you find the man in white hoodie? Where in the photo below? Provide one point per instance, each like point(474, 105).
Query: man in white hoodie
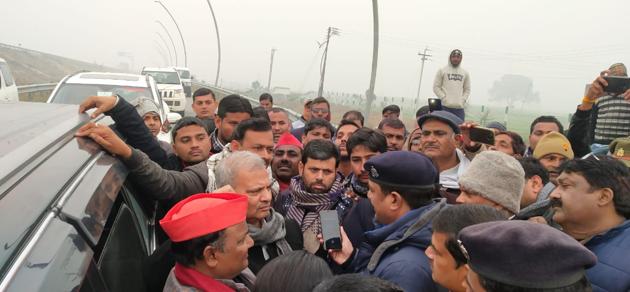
point(452, 85)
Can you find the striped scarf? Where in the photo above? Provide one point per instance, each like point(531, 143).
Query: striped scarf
point(306, 206)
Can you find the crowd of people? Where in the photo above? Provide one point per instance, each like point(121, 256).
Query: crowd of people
point(426, 208)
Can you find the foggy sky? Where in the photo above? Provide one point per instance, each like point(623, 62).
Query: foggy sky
point(561, 45)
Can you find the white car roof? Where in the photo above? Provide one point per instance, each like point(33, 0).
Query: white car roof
point(155, 69)
point(181, 68)
point(106, 78)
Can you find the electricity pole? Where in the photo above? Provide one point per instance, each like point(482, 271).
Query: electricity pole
point(273, 51)
point(331, 31)
point(424, 57)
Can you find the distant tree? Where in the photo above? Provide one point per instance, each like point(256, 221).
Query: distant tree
point(514, 88)
point(256, 85)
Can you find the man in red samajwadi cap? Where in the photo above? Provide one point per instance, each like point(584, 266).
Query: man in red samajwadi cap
point(210, 242)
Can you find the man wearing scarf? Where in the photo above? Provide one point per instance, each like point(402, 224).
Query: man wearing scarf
point(245, 173)
point(364, 144)
point(210, 243)
point(318, 187)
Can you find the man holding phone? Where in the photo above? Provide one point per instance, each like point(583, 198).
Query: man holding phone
point(603, 114)
point(401, 187)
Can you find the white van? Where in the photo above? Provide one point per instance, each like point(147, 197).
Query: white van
point(8, 89)
point(170, 86)
point(184, 75)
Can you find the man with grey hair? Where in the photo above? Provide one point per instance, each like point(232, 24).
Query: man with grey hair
point(280, 123)
point(273, 235)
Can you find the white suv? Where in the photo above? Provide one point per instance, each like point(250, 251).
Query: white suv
point(75, 88)
point(184, 75)
point(170, 86)
point(8, 89)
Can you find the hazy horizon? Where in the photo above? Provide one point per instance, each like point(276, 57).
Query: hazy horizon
point(545, 41)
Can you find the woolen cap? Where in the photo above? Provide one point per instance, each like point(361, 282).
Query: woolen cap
point(446, 117)
point(202, 214)
point(620, 149)
point(144, 106)
point(495, 176)
point(403, 169)
point(553, 142)
point(525, 254)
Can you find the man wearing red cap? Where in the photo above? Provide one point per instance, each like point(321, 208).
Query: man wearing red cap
point(286, 158)
point(210, 243)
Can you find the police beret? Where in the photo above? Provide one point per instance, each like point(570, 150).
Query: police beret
point(403, 169)
point(446, 117)
point(525, 254)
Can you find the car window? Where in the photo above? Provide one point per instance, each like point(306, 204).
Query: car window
point(184, 74)
point(164, 77)
point(76, 93)
point(6, 74)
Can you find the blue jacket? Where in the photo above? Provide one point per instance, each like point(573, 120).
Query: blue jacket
point(395, 252)
point(612, 272)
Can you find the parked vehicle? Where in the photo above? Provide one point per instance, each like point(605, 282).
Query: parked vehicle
point(72, 221)
point(184, 75)
point(73, 89)
point(8, 89)
point(170, 86)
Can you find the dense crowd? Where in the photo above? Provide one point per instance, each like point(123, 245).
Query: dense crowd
point(240, 191)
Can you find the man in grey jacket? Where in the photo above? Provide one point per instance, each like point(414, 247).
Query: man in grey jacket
point(251, 135)
point(452, 85)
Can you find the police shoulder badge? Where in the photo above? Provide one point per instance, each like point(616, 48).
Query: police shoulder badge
point(620, 153)
point(373, 172)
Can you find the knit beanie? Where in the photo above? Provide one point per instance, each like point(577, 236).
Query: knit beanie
point(553, 142)
point(495, 176)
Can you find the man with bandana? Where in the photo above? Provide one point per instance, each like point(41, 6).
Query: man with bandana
point(452, 85)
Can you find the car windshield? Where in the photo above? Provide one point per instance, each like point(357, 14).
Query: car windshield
point(76, 93)
point(184, 74)
point(164, 77)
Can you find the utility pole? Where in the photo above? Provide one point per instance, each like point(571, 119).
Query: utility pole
point(178, 30)
point(273, 51)
point(424, 57)
point(369, 94)
point(331, 31)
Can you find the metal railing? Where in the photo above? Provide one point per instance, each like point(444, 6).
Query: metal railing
point(36, 88)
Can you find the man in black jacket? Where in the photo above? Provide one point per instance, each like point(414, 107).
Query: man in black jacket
point(273, 235)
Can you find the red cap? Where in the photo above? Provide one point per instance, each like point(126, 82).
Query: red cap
point(288, 139)
point(202, 214)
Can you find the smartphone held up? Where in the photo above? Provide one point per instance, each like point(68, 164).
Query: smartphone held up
point(330, 229)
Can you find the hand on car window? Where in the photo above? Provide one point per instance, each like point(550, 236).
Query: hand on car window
point(105, 136)
point(101, 103)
